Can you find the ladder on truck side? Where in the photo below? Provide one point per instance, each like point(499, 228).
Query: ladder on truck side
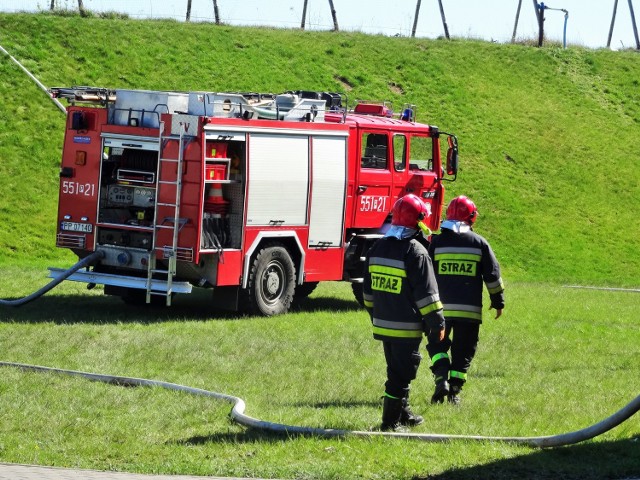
point(173, 223)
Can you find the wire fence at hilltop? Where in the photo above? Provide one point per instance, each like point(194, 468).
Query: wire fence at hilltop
point(606, 24)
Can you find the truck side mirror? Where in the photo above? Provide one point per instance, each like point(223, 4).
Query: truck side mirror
point(452, 156)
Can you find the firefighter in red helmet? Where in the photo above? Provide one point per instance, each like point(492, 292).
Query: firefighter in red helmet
point(463, 262)
point(401, 295)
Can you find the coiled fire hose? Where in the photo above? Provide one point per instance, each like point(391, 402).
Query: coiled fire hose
point(237, 414)
point(85, 262)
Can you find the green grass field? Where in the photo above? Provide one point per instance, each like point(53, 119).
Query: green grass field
point(544, 368)
point(549, 143)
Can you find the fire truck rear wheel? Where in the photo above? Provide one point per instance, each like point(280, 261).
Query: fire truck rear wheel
point(272, 281)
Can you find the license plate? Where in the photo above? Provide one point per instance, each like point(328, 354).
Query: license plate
point(76, 227)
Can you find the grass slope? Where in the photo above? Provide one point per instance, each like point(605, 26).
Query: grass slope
point(549, 137)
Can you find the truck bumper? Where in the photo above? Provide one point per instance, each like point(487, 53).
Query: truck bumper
point(121, 281)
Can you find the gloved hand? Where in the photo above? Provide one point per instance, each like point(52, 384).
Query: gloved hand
point(498, 311)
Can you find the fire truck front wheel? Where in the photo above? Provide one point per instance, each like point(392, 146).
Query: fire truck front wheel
point(272, 281)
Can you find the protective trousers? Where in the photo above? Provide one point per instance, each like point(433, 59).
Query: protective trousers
point(462, 339)
point(403, 360)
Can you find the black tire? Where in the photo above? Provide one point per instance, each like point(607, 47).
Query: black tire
point(272, 282)
point(304, 290)
point(358, 289)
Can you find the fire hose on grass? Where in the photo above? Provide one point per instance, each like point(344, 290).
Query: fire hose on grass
point(85, 262)
point(237, 414)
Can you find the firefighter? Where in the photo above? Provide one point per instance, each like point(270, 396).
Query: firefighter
point(463, 261)
point(401, 295)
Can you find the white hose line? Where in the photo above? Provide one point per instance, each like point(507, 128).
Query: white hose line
point(238, 415)
point(606, 289)
point(37, 82)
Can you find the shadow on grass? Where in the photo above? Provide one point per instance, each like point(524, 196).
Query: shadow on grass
point(101, 309)
point(338, 404)
point(337, 305)
point(250, 435)
point(616, 460)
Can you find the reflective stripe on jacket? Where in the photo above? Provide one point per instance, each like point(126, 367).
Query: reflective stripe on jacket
point(400, 290)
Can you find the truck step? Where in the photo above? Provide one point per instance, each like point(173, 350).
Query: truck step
point(160, 293)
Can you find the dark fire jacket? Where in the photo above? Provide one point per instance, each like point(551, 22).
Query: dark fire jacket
point(462, 262)
point(400, 291)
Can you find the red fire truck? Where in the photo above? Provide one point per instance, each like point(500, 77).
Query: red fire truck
point(257, 196)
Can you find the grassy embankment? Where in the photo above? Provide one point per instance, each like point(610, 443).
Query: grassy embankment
point(549, 148)
point(549, 137)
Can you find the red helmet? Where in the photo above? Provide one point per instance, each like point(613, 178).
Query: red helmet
point(408, 211)
point(462, 209)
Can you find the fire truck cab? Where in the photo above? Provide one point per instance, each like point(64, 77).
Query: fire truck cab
point(257, 196)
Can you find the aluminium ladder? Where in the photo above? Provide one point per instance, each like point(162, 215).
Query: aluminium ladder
point(173, 223)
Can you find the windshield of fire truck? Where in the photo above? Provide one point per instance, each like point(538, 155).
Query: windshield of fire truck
point(420, 153)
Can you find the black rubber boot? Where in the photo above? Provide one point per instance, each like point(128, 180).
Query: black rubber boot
point(454, 394)
point(441, 391)
point(407, 417)
point(391, 413)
